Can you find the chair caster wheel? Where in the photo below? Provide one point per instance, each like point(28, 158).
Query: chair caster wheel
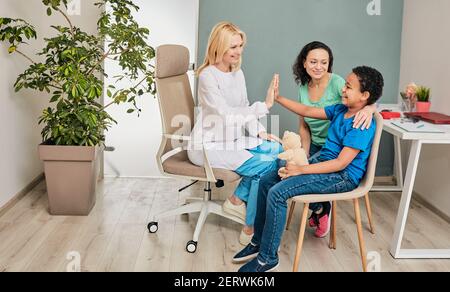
point(191, 246)
point(152, 227)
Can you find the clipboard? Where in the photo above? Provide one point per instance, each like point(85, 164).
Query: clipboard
point(420, 127)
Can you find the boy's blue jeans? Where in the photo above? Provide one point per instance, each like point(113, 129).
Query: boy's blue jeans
point(272, 205)
point(314, 153)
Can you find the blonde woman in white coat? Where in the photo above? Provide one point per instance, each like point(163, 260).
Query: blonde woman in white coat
point(224, 115)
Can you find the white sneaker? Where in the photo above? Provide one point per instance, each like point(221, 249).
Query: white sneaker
point(235, 210)
point(244, 238)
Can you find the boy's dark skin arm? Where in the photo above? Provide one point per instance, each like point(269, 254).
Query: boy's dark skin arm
point(336, 165)
point(298, 108)
point(301, 109)
point(344, 159)
point(340, 163)
point(361, 117)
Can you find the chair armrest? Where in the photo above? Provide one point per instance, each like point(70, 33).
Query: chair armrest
point(177, 137)
point(208, 169)
point(207, 166)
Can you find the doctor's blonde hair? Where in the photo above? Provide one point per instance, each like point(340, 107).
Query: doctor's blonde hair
point(219, 43)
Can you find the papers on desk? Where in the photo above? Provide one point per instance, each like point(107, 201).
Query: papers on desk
point(419, 127)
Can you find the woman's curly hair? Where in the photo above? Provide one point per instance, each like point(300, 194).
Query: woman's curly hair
point(301, 76)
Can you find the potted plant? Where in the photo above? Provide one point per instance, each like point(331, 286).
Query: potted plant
point(423, 99)
point(71, 72)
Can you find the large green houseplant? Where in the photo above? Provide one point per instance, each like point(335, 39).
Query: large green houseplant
point(71, 72)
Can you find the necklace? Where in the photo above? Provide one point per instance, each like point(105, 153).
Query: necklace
point(312, 85)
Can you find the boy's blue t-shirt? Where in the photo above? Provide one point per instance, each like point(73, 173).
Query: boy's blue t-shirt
point(342, 134)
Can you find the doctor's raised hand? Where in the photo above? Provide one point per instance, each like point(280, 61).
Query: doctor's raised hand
point(270, 97)
point(276, 87)
point(270, 100)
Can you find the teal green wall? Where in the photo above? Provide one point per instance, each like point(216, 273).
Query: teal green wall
point(277, 30)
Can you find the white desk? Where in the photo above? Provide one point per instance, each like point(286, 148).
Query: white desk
point(406, 187)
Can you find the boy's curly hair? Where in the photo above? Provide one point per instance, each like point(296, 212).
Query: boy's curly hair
point(371, 81)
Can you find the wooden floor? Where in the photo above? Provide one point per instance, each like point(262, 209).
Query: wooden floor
point(114, 237)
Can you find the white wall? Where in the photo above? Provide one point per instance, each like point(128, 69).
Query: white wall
point(137, 139)
point(19, 112)
point(425, 60)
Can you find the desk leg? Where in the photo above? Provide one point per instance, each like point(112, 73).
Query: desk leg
point(398, 162)
point(406, 198)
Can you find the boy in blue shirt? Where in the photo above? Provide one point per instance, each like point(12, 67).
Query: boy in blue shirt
point(339, 168)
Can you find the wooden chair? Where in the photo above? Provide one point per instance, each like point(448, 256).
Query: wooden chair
point(362, 191)
point(368, 209)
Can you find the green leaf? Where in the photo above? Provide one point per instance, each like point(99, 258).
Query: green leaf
point(60, 105)
point(18, 87)
point(12, 49)
point(91, 93)
point(130, 111)
point(55, 98)
point(49, 11)
point(74, 91)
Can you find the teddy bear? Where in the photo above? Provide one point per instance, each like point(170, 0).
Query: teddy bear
point(293, 151)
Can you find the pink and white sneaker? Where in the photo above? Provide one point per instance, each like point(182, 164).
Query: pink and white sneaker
point(324, 222)
point(313, 220)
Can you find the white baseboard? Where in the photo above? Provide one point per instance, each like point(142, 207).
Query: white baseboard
point(421, 199)
point(388, 180)
point(384, 180)
point(21, 194)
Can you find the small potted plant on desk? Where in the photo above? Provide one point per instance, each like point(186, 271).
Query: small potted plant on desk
point(423, 99)
point(72, 74)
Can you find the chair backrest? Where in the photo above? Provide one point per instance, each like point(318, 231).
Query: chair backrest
point(367, 181)
point(174, 93)
point(173, 87)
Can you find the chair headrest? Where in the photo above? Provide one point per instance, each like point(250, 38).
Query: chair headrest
point(171, 60)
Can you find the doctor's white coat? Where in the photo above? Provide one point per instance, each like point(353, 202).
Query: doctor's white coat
point(224, 113)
